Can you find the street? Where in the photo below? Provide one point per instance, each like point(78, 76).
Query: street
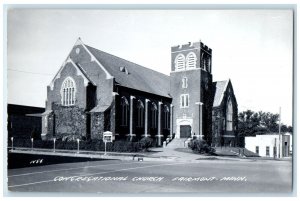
point(115, 176)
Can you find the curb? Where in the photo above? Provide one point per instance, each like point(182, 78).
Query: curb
point(134, 157)
point(94, 156)
point(126, 156)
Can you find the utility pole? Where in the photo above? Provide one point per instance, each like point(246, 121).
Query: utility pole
point(200, 136)
point(279, 130)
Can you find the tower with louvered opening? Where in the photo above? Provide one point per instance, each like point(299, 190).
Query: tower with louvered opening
point(191, 90)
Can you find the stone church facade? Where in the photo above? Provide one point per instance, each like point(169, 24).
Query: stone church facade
point(94, 91)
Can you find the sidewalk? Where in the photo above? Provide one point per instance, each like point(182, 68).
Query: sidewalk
point(154, 154)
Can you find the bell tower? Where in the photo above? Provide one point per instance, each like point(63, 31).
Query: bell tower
point(191, 90)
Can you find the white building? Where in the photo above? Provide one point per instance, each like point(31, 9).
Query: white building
point(269, 145)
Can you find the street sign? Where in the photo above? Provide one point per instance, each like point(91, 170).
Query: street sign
point(107, 136)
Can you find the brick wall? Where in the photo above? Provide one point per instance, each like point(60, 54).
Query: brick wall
point(75, 120)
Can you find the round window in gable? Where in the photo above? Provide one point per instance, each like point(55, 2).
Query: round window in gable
point(77, 50)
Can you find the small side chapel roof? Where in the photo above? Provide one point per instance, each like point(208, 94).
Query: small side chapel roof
point(219, 93)
point(100, 108)
point(131, 75)
point(47, 112)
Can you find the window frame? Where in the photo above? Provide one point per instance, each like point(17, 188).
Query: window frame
point(68, 92)
point(140, 114)
point(153, 115)
point(166, 117)
point(229, 115)
point(267, 150)
point(188, 64)
point(124, 111)
point(184, 100)
point(177, 67)
point(257, 150)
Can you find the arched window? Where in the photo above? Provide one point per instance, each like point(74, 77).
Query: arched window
point(166, 115)
point(124, 111)
point(180, 62)
point(229, 115)
point(140, 114)
point(191, 59)
point(68, 92)
point(153, 115)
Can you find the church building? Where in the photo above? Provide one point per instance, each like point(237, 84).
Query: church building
point(94, 92)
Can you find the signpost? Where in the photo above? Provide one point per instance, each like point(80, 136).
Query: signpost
point(107, 137)
point(31, 144)
point(12, 143)
point(54, 139)
point(279, 140)
point(78, 145)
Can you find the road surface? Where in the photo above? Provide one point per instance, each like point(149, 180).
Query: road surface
point(115, 176)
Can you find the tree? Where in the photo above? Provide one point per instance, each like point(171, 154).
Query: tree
point(255, 123)
point(249, 123)
point(269, 121)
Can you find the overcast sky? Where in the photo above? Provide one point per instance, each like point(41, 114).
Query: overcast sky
point(254, 48)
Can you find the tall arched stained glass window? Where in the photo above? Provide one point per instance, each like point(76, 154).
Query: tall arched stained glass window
point(166, 116)
point(153, 115)
point(229, 115)
point(124, 111)
point(68, 92)
point(140, 114)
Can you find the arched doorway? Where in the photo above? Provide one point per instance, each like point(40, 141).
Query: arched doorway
point(185, 131)
point(184, 128)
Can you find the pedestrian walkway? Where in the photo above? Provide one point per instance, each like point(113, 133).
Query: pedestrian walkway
point(153, 154)
point(164, 154)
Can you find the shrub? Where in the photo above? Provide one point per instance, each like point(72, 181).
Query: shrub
point(145, 143)
point(91, 145)
point(200, 146)
point(35, 135)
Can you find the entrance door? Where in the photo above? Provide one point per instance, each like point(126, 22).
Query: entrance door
point(185, 131)
point(286, 150)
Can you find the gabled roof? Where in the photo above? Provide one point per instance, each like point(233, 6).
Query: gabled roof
point(132, 75)
point(220, 87)
point(80, 71)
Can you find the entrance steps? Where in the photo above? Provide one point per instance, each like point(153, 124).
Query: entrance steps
point(177, 143)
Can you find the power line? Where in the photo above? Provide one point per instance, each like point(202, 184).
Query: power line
point(21, 71)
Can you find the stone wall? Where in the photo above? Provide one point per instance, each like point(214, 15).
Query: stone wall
point(69, 120)
point(97, 125)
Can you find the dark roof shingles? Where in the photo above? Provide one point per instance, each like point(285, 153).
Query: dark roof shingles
point(138, 77)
